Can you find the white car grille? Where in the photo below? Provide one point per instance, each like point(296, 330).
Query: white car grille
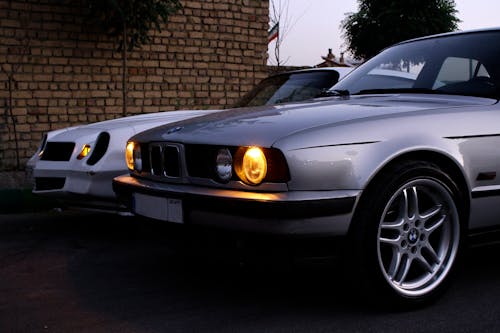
point(58, 151)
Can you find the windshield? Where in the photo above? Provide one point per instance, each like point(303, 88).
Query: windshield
point(467, 64)
point(289, 87)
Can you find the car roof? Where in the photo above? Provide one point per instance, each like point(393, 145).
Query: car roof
point(453, 33)
point(343, 71)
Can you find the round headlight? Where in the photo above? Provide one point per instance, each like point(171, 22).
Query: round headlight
point(253, 168)
point(133, 156)
point(224, 165)
point(129, 155)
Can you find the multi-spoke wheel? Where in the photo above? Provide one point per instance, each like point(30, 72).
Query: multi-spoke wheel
point(418, 236)
point(408, 231)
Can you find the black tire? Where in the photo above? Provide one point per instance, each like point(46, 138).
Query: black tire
point(407, 234)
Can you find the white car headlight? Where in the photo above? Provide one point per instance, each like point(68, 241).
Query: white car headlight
point(84, 152)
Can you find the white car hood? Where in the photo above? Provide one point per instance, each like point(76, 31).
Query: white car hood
point(131, 124)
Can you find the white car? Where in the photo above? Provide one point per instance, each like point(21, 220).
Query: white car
point(76, 165)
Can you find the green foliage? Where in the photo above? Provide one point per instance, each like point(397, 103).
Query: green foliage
point(381, 23)
point(134, 17)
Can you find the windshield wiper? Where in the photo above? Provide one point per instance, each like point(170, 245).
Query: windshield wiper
point(397, 90)
point(334, 92)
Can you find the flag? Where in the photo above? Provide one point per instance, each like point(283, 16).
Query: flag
point(273, 33)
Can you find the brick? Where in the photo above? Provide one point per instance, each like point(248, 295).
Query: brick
point(58, 61)
point(149, 94)
point(101, 78)
point(97, 93)
point(41, 127)
point(61, 94)
point(136, 94)
point(151, 109)
point(63, 77)
point(154, 78)
point(42, 94)
point(22, 94)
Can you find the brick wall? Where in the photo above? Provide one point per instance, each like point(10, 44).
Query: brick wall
point(63, 73)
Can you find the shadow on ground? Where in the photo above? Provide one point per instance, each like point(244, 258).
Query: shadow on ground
point(101, 273)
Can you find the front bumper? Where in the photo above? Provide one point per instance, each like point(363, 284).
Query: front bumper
point(294, 212)
point(83, 189)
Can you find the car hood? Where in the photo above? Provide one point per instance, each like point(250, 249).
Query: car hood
point(263, 126)
point(132, 124)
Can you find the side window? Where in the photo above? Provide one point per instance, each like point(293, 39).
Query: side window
point(465, 76)
point(455, 70)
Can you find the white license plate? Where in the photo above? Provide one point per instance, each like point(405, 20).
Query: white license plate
point(165, 209)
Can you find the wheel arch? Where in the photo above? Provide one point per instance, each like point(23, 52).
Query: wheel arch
point(445, 163)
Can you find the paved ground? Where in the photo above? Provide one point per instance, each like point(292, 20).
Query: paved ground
point(74, 273)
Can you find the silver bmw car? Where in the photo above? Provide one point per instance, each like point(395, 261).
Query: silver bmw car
point(400, 159)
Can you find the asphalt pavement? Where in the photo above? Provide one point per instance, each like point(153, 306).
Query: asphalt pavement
point(89, 272)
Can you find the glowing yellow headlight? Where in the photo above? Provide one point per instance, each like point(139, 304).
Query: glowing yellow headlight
point(85, 151)
point(129, 155)
point(252, 167)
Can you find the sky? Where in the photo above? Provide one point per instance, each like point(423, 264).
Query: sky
point(314, 27)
